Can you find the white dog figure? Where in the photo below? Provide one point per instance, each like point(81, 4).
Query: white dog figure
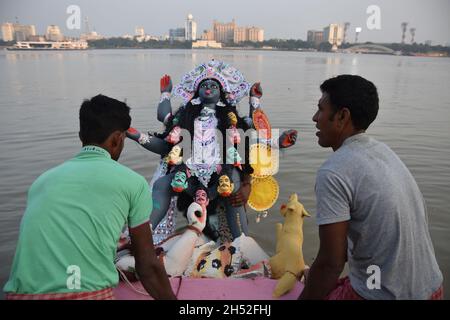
point(179, 250)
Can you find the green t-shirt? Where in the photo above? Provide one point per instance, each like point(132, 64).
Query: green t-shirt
point(74, 217)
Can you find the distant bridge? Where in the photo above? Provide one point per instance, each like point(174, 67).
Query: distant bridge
point(369, 48)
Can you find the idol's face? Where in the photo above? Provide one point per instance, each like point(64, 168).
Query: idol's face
point(209, 91)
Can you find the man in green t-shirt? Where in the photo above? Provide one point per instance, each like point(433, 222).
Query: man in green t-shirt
point(74, 217)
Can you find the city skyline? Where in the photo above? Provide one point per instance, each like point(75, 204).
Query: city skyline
point(114, 18)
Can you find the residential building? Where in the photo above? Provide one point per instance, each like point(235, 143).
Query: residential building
point(54, 33)
point(224, 32)
point(178, 34)
point(334, 34)
point(315, 37)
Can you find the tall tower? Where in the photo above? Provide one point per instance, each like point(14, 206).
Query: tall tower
point(412, 31)
point(357, 32)
point(333, 34)
point(86, 25)
point(191, 28)
point(404, 27)
point(346, 26)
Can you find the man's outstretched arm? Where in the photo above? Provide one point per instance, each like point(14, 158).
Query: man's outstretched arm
point(151, 272)
point(330, 261)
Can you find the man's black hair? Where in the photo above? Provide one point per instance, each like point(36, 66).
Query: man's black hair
point(357, 94)
point(101, 116)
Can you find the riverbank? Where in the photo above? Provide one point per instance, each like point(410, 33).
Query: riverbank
point(290, 45)
point(250, 49)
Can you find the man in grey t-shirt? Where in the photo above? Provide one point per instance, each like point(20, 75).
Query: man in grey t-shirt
point(370, 210)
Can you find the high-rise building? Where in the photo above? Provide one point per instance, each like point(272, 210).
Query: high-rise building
point(191, 28)
point(23, 32)
point(240, 34)
point(53, 33)
point(18, 32)
point(255, 34)
point(7, 31)
point(315, 36)
point(230, 32)
point(334, 34)
point(139, 32)
point(178, 34)
point(224, 32)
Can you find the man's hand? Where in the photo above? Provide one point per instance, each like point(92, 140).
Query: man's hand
point(256, 90)
point(305, 274)
point(151, 272)
point(166, 84)
point(322, 278)
point(241, 196)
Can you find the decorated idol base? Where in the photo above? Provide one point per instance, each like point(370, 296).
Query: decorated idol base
point(192, 255)
point(234, 270)
point(201, 269)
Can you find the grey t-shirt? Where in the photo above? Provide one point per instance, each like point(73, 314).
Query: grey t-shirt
point(365, 182)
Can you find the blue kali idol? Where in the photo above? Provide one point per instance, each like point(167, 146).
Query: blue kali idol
point(210, 93)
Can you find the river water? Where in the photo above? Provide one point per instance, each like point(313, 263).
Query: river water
point(41, 92)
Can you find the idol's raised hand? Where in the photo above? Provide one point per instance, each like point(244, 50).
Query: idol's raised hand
point(256, 90)
point(166, 84)
point(288, 138)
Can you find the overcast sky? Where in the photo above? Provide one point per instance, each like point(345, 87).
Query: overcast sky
point(287, 19)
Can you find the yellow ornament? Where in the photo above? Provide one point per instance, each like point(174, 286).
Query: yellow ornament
point(264, 160)
point(264, 193)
